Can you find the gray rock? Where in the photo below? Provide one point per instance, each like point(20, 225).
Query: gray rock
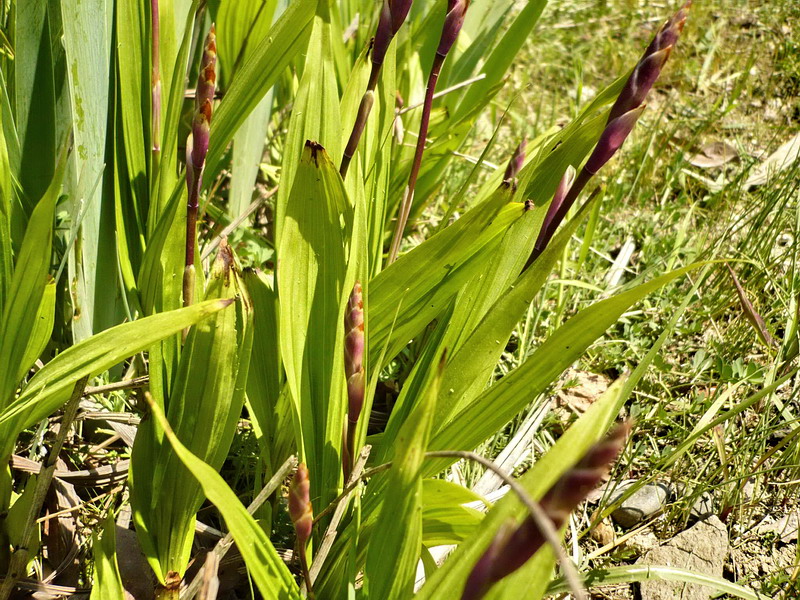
point(703, 507)
point(702, 549)
point(646, 502)
point(642, 542)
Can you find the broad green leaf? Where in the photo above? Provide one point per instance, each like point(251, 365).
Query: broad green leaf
point(474, 360)
point(439, 492)
point(444, 518)
point(107, 583)
point(34, 98)
point(285, 39)
point(443, 525)
point(412, 291)
point(17, 519)
point(52, 384)
point(204, 406)
point(28, 285)
point(264, 565)
point(311, 277)
point(41, 331)
point(269, 407)
point(496, 406)
point(315, 113)
point(133, 121)
point(7, 200)
point(391, 565)
point(173, 79)
point(87, 41)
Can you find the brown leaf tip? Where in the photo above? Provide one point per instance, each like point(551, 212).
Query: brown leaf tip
point(316, 149)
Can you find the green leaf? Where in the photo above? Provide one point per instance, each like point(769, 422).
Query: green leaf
point(132, 121)
point(444, 518)
point(502, 401)
point(34, 98)
point(52, 384)
point(479, 94)
point(28, 285)
point(269, 407)
point(391, 565)
point(449, 524)
point(315, 113)
point(241, 26)
point(265, 566)
point(107, 583)
point(203, 407)
point(412, 291)
point(173, 81)
point(474, 360)
point(311, 280)
point(41, 331)
point(285, 39)
point(87, 41)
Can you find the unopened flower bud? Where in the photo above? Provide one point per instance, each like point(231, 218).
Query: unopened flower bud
point(300, 509)
point(612, 138)
point(354, 352)
point(516, 161)
point(649, 67)
point(456, 10)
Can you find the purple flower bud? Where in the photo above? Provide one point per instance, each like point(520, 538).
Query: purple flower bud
point(612, 138)
point(354, 353)
point(207, 79)
point(550, 222)
point(204, 97)
point(300, 510)
point(393, 15)
point(646, 72)
point(400, 10)
point(508, 552)
point(383, 35)
point(456, 10)
point(516, 161)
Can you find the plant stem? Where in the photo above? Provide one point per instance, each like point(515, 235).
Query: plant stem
point(364, 108)
point(21, 554)
point(408, 195)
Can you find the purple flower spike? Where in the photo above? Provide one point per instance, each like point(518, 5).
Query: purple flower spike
point(204, 97)
point(649, 66)
point(300, 510)
point(456, 10)
point(612, 139)
point(507, 553)
point(196, 150)
point(354, 353)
